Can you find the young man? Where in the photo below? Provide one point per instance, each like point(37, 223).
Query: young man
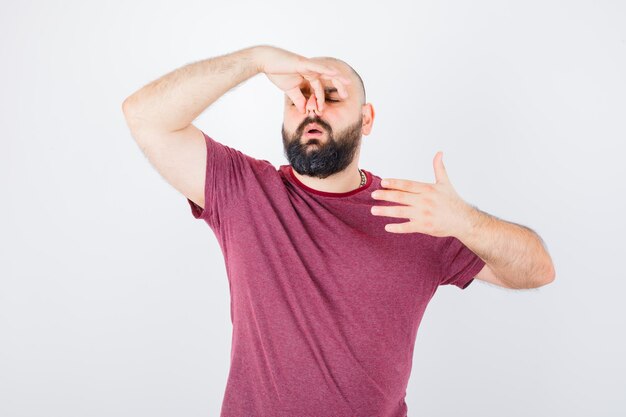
point(326, 296)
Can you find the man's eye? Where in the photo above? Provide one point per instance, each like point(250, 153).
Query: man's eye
point(332, 100)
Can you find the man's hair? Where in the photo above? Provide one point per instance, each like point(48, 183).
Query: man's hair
point(361, 85)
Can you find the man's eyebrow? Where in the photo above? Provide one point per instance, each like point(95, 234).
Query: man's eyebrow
point(327, 90)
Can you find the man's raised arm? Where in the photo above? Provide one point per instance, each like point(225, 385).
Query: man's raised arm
point(176, 99)
point(161, 113)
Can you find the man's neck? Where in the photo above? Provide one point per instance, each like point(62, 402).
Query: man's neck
point(341, 182)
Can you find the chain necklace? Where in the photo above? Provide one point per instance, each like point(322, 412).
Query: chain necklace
point(363, 178)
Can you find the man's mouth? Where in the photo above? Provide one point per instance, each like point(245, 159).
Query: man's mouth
point(313, 133)
point(313, 129)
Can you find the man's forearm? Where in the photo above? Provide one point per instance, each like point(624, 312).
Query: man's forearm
point(515, 253)
point(174, 100)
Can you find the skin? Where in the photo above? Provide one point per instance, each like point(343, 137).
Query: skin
point(330, 162)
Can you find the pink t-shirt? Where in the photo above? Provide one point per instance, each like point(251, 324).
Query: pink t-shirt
point(325, 303)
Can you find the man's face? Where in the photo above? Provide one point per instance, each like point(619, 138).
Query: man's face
point(340, 123)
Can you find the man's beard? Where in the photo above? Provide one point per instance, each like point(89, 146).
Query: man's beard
point(328, 156)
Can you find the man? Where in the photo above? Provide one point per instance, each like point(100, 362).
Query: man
point(327, 291)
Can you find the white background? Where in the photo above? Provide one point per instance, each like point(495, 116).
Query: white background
point(114, 300)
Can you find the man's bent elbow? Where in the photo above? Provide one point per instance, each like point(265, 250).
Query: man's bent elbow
point(548, 278)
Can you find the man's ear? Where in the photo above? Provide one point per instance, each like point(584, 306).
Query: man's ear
point(369, 118)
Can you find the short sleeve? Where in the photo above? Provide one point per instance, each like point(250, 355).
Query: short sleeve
point(226, 172)
point(459, 264)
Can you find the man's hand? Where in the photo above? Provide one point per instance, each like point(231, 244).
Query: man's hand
point(434, 209)
point(288, 70)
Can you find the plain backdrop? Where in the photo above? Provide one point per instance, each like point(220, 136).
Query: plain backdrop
point(114, 300)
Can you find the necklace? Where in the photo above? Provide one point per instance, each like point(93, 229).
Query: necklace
point(363, 178)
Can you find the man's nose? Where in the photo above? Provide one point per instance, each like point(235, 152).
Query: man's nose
point(311, 104)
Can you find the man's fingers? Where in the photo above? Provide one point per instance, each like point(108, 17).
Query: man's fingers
point(319, 92)
point(340, 84)
point(341, 89)
point(313, 74)
point(331, 73)
point(297, 98)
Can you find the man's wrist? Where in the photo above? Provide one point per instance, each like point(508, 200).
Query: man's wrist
point(256, 58)
point(471, 220)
